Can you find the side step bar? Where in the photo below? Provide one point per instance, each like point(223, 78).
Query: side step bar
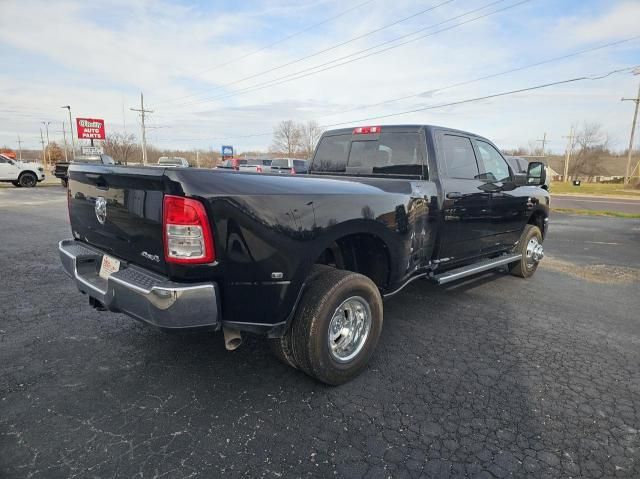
point(474, 268)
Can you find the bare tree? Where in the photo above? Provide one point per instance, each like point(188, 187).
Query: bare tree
point(120, 146)
point(54, 152)
point(310, 134)
point(287, 138)
point(590, 144)
point(520, 151)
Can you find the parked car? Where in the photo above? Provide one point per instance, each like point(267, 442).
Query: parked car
point(256, 165)
point(520, 166)
point(27, 174)
point(62, 167)
point(289, 166)
point(303, 260)
point(173, 161)
point(232, 163)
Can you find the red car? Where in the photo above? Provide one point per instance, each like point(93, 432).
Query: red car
point(232, 163)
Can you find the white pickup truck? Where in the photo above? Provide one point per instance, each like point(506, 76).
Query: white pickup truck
point(20, 173)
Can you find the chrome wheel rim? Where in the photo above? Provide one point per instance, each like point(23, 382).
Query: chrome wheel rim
point(534, 252)
point(349, 328)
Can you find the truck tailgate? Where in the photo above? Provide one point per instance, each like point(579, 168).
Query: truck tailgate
point(119, 210)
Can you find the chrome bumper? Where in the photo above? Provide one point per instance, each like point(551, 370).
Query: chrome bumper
point(140, 293)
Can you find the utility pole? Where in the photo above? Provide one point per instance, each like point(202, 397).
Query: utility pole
point(46, 125)
point(19, 148)
point(73, 141)
point(44, 158)
point(197, 158)
point(567, 158)
point(142, 112)
point(64, 136)
point(627, 178)
point(544, 142)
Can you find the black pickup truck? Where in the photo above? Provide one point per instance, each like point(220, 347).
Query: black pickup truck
point(304, 260)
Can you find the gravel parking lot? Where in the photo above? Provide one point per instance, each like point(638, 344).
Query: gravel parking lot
point(493, 377)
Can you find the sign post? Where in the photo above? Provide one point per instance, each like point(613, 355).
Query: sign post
point(227, 152)
point(92, 150)
point(90, 129)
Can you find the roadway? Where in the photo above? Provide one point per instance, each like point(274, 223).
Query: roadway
point(620, 205)
point(494, 376)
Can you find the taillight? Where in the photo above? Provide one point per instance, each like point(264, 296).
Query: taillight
point(259, 169)
point(187, 235)
point(367, 130)
point(293, 171)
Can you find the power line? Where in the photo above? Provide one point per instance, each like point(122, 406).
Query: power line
point(486, 77)
point(301, 73)
point(284, 39)
point(442, 105)
point(319, 52)
point(486, 97)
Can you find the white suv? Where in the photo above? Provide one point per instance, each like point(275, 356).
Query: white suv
point(19, 173)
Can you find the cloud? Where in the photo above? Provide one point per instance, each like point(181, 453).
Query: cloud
point(620, 21)
point(98, 59)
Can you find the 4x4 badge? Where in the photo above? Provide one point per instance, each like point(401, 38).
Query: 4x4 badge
point(101, 209)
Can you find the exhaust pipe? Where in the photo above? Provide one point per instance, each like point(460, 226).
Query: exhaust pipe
point(232, 339)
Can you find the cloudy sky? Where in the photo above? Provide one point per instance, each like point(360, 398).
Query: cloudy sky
point(225, 72)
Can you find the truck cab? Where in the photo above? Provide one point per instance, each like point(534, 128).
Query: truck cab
point(482, 204)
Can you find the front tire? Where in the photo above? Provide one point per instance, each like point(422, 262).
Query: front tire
point(28, 180)
point(530, 246)
point(337, 326)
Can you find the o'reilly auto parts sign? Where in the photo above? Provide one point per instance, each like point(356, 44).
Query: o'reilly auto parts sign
point(90, 128)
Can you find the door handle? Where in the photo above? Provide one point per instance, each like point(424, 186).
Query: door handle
point(454, 195)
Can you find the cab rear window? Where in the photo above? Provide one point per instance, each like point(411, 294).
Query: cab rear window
point(390, 153)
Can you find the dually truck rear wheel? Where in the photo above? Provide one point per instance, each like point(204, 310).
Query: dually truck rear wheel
point(281, 347)
point(337, 326)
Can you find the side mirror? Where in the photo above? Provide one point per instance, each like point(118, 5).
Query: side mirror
point(536, 174)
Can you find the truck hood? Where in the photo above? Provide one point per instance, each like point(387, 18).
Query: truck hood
point(28, 165)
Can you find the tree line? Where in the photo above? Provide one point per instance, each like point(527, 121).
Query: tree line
point(295, 140)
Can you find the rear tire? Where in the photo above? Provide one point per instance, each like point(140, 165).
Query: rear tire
point(527, 265)
point(337, 326)
point(281, 347)
point(28, 180)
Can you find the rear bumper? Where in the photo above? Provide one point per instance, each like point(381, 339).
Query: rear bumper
point(140, 293)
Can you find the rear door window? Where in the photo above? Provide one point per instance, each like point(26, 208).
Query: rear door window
point(280, 163)
point(459, 157)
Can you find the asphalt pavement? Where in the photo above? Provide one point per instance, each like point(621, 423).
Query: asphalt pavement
point(491, 377)
point(620, 205)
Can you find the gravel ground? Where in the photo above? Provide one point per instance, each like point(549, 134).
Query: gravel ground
point(492, 377)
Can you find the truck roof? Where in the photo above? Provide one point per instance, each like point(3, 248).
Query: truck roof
point(397, 129)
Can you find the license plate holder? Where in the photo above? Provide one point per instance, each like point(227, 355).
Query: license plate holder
point(108, 266)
